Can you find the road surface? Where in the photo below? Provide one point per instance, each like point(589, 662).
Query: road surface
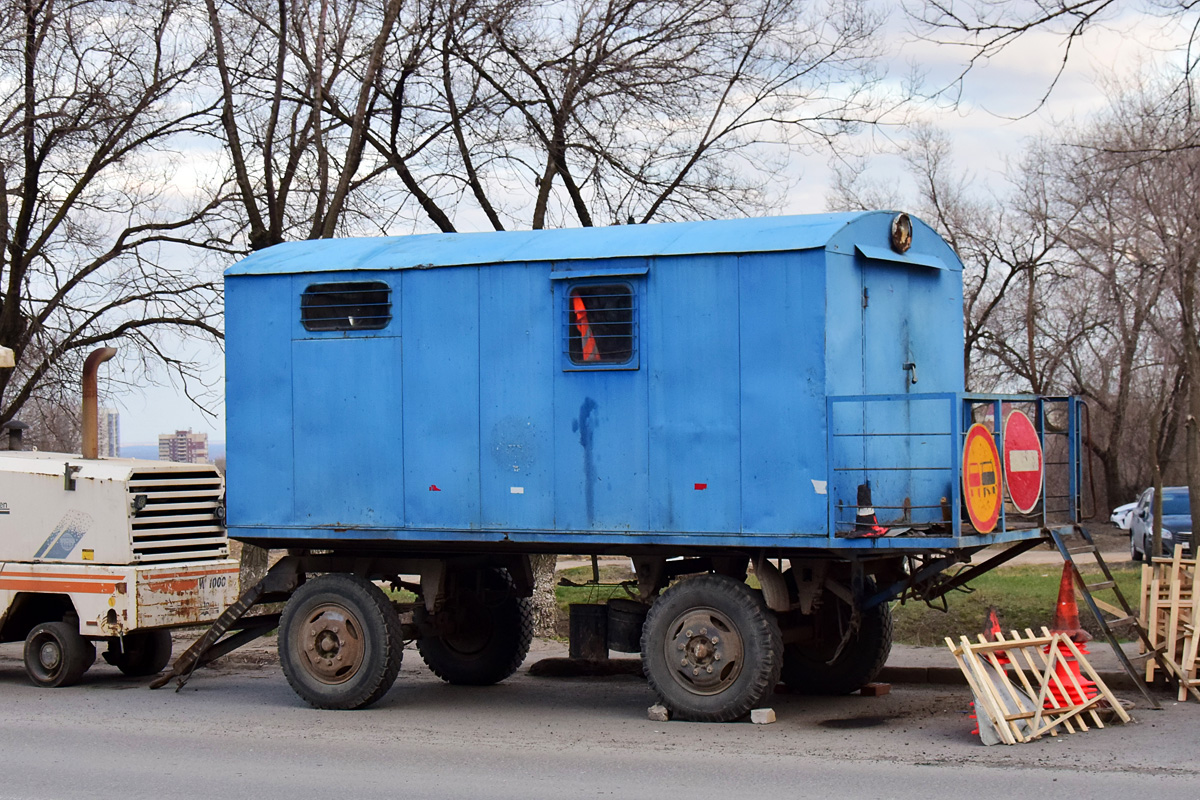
point(239, 731)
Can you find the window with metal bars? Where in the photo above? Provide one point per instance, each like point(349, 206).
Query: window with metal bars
point(600, 325)
point(346, 306)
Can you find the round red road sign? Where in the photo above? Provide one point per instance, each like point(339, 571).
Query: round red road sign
point(1023, 462)
point(981, 478)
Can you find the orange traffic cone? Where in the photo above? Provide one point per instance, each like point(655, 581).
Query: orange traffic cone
point(1066, 613)
point(1066, 621)
point(992, 632)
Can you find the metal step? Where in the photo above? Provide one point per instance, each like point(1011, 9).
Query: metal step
point(1058, 535)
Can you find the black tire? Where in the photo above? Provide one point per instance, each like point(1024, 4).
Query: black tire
point(491, 632)
point(56, 655)
point(340, 643)
point(141, 653)
point(811, 668)
point(729, 640)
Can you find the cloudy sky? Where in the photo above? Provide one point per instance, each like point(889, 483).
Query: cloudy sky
point(983, 125)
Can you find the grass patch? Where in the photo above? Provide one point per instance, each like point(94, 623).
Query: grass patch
point(400, 595)
point(1025, 596)
point(592, 593)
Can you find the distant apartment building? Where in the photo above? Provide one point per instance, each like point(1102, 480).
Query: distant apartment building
point(185, 446)
point(110, 433)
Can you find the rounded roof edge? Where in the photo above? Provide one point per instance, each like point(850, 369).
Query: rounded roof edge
point(420, 251)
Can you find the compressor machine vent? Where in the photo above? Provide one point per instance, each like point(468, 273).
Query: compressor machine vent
point(177, 515)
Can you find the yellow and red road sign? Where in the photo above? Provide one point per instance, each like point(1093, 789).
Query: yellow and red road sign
point(981, 478)
point(1023, 462)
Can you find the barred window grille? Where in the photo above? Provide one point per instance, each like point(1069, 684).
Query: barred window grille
point(600, 325)
point(346, 306)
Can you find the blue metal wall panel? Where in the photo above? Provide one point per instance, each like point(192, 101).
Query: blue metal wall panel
point(694, 418)
point(518, 354)
point(600, 440)
point(441, 401)
point(888, 344)
point(258, 397)
point(348, 410)
point(782, 341)
point(843, 329)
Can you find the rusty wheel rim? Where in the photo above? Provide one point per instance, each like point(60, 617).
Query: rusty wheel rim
point(331, 644)
point(50, 656)
point(704, 650)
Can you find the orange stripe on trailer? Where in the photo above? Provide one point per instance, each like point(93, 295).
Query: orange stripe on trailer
point(72, 576)
point(80, 587)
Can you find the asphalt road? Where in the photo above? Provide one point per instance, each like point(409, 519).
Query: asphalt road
point(240, 732)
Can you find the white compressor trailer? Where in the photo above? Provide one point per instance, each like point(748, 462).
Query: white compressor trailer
point(107, 551)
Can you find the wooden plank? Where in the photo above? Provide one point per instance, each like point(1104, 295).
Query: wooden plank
point(1103, 692)
point(1172, 632)
point(1108, 608)
point(1048, 677)
point(981, 686)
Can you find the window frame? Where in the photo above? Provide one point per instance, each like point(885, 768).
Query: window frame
point(564, 322)
point(370, 285)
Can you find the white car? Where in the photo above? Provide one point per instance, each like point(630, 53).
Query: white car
point(1122, 516)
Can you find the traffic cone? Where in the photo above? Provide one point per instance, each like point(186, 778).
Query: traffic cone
point(866, 521)
point(992, 632)
point(1066, 621)
point(1066, 612)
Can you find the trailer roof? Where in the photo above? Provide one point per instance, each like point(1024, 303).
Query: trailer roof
point(42, 462)
point(756, 235)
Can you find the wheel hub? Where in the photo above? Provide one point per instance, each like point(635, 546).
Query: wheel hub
point(50, 656)
point(332, 645)
point(705, 650)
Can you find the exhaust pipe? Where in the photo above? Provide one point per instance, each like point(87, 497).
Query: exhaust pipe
point(91, 410)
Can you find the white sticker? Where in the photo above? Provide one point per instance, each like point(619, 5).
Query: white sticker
point(819, 486)
point(1024, 461)
point(516, 489)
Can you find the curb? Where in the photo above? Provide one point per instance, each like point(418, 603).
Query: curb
point(952, 676)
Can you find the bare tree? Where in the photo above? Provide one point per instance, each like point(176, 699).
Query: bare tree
point(282, 68)
point(537, 114)
point(985, 28)
point(1008, 247)
point(96, 101)
point(1063, 290)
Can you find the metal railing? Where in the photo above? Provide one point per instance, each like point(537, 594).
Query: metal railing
point(908, 449)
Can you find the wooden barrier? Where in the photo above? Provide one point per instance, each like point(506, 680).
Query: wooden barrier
point(1170, 613)
point(1024, 687)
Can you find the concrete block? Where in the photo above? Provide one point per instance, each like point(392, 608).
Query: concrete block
point(658, 713)
point(762, 716)
point(875, 689)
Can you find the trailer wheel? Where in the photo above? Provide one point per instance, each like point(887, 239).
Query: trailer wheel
point(711, 649)
point(141, 653)
point(486, 635)
point(340, 643)
point(56, 655)
point(813, 669)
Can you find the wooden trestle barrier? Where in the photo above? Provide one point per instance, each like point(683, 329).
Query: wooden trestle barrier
point(1025, 689)
point(1170, 614)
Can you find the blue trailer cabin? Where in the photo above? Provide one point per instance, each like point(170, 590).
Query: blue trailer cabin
point(785, 394)
point(662, 385)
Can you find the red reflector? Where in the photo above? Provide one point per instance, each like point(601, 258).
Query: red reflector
point(433, 488)
point(700, 487)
